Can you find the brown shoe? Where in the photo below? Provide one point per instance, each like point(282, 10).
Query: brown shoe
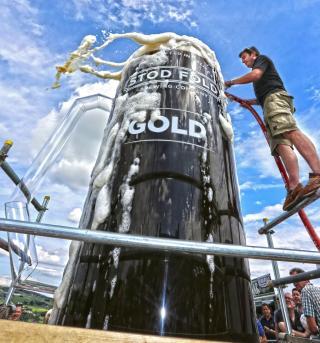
point(311, 187)
point(293, 197)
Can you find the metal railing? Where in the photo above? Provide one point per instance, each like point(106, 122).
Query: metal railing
point(147, 242)
point(310, 275)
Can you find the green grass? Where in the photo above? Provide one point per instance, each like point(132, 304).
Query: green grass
point(35, 305)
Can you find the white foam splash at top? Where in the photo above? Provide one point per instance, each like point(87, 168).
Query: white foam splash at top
point(153, 42)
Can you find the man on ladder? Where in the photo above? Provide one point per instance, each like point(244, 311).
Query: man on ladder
point(281, 126)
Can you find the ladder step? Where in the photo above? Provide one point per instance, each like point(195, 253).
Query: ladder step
point(304, 203)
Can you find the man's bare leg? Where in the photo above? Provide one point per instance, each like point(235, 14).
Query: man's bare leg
point(305, 147)
point(290, 161)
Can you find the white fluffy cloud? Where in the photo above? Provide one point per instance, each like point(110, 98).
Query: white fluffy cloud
point(254, 152)
point(268, 212)
point(48, 256)
point(291, 234)
point(53, 272)
point(132, 13)
point(73, 173)
point(26, 67)
point(5, 281)
point(3, 130)
point(256, 186)
point(75, 215)
point(21, 43)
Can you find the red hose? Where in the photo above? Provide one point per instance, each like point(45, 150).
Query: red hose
point(304, 218)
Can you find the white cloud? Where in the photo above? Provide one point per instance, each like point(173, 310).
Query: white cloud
point(75, 215)
point(48, 256)
point(268, 212)
point(73, 173)
point(21, 44)
point(290, 234)
point(253, 125)
point(26, 66)
point(63, 199)
point(5, 281)
point(49, 271)
point(132, 13)
point(248, 185)
point(4, 132)
point(236, 111)
point(16, 101)
point(315, 94)
point(253, 152)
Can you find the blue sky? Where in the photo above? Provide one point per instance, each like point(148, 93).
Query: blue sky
point(37, 35)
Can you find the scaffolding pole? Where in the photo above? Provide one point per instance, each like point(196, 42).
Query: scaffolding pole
point(147, 242)
point(310, 275)
point(4, 165)
point(276, 273)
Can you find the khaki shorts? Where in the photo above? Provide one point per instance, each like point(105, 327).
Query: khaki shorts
point(278, 112)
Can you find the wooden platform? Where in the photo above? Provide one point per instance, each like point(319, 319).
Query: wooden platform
point(20, 332)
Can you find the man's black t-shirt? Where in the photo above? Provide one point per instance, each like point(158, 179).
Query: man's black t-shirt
point(269, 81)
point(269, 323)
point(296, 325)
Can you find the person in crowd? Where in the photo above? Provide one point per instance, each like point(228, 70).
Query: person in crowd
point(296, 296)
point(16, 314)
point(297, 328)
point(267, 322)
point(262, 336)
point(282, 129)
point(310, 296)
point(11, 312)
point(47, 316)
point(5, 311)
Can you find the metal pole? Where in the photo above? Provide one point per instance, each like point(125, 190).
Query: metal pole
point(4, 150)
point(283, 304)
point(5, 246)
point(312, 274)
point(13, 176)
point(10, 293)
point(17, 181)
point(16, 278)
point(147, 242)
point(44, 208)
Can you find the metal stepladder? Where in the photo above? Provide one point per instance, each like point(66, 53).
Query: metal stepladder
point(299, 208)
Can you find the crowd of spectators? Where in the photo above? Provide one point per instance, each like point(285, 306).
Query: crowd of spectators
point(11, 312)
point(303, 305)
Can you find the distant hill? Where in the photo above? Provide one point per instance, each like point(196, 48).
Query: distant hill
point(35, 305)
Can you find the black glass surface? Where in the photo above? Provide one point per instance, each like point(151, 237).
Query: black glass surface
point(186, 188)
